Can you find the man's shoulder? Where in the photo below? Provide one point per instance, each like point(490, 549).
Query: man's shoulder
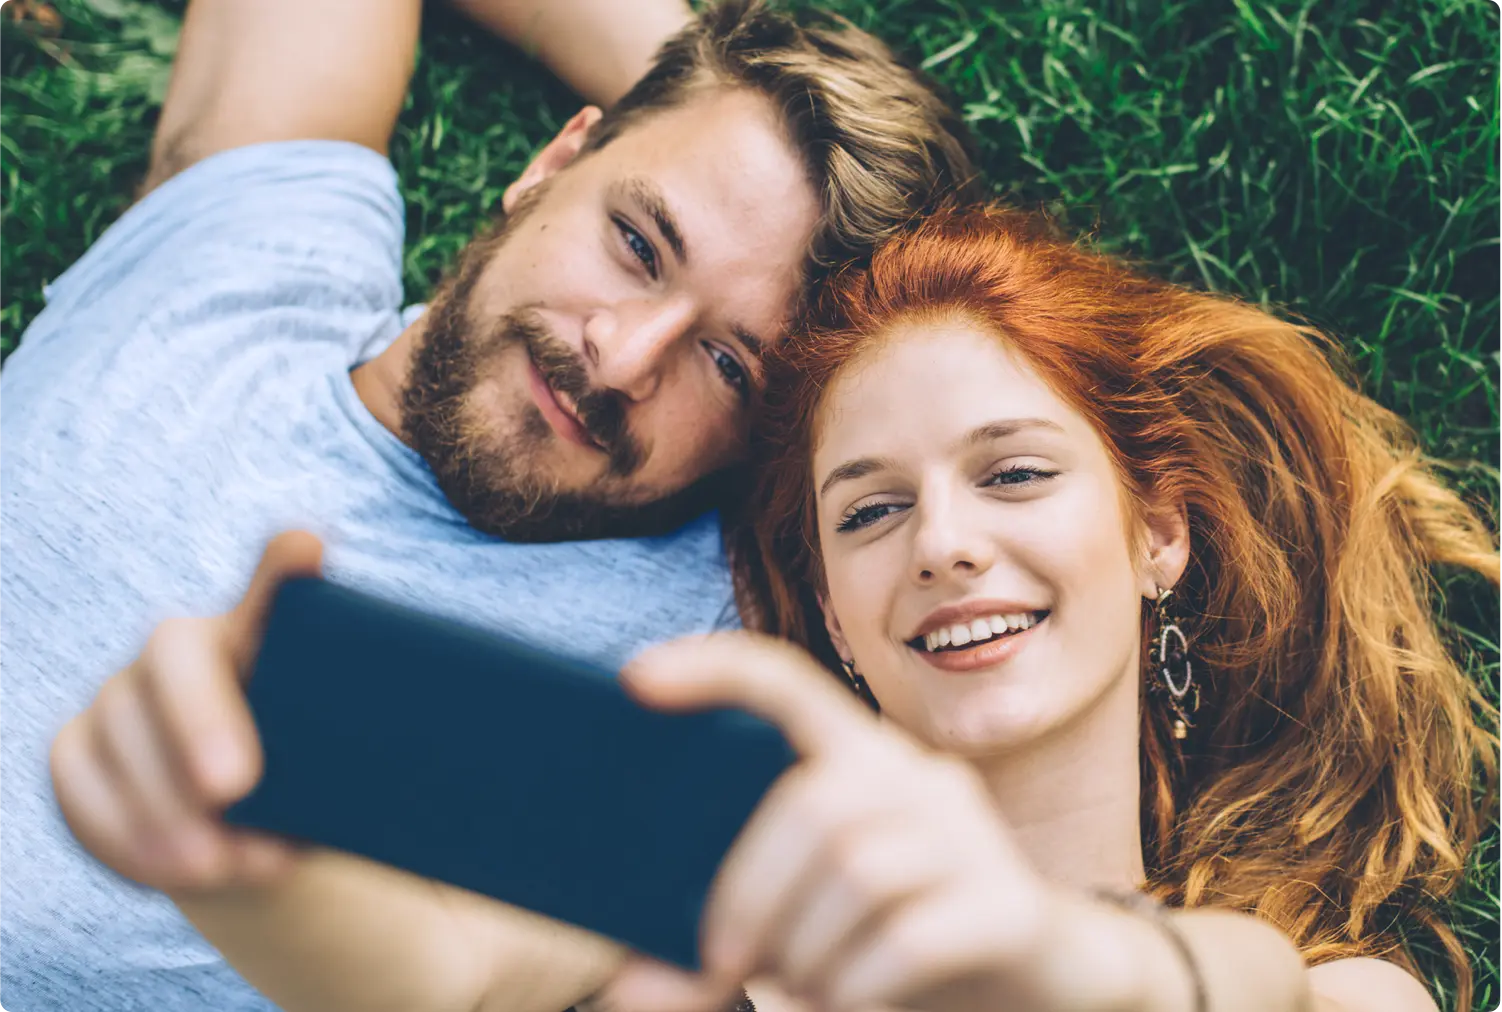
point(310, 228)
point(603, 600)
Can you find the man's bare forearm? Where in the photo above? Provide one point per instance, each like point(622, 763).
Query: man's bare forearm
point(249, 71)
point(597, 47)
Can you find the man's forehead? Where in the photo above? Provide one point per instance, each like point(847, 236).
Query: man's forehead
point(722, 158)
point(733, 194)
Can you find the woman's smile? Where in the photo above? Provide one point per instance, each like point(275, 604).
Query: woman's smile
point(974, 635)
point(980, 644)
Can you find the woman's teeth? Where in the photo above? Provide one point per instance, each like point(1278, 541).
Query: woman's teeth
point(978, 630)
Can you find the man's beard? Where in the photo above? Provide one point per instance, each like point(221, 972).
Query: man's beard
point(494, 480)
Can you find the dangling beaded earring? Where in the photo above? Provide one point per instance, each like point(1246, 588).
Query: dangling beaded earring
point(1175, 679)
point(859, 685)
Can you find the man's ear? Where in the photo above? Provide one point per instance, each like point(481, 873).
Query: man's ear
point(1166, 547)
point(558, 152)
point(836, 634)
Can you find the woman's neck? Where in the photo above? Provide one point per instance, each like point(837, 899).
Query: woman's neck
point(1073, 799)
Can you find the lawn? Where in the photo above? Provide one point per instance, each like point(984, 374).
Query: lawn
point(1336, 159)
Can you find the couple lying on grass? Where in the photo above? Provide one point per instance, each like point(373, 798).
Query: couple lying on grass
point(1099, 610)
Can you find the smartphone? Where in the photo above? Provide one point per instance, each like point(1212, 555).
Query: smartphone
point(461, 755)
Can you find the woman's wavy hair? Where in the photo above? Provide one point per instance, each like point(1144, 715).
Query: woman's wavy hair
point(1331, 785)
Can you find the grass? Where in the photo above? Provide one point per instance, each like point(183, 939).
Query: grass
point(1337, 159)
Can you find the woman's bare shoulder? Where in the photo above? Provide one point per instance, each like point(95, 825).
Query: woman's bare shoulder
point(1368, 985)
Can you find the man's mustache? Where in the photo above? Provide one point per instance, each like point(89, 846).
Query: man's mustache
point(601, 412)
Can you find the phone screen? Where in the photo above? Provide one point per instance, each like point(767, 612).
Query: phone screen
point(463, 756)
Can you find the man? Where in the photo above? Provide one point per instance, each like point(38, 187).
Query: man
point(539, 452)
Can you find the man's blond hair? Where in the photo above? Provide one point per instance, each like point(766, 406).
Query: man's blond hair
point(880, 147)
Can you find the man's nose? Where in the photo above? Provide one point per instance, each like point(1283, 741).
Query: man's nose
point(632, 345)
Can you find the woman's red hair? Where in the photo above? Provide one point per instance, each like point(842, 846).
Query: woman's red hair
point(1329, 787)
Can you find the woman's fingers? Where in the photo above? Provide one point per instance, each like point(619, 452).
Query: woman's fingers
point(645, 985)
point(768, 866)
point(762, 886)
point(957, 941)
point(772, 679)
point(858, 883)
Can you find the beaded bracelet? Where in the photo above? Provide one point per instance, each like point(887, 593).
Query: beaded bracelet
point(1149, 908)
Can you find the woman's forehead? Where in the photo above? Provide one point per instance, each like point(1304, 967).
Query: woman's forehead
point(929, 380)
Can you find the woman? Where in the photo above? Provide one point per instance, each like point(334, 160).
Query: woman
point(1139, 586)
point(1159, 575)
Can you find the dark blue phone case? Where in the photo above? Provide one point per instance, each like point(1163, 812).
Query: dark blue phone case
point(463, 756)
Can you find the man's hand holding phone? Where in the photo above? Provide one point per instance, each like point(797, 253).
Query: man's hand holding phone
point(143, 774)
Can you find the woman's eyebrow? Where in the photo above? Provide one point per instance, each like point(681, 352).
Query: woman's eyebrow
point(852, 469)
point(862, 466)
point(1008, 427)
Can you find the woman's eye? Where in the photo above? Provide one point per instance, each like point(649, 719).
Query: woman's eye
point(640, 248)
point(731, 371)
point(865, 516)
point(1019, 476)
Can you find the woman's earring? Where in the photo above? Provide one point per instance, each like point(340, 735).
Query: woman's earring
point(1175, 672)
point(859, 685)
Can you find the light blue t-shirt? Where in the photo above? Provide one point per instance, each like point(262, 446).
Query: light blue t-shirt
point(185, 395)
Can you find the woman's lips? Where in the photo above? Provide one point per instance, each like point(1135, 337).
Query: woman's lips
point(559, 420)
point(983, 655)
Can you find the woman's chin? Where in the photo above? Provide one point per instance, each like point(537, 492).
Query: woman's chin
point(994, 720)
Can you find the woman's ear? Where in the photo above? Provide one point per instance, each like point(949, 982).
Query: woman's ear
point(1166, 548)
point(836, 634)
point(557, 153)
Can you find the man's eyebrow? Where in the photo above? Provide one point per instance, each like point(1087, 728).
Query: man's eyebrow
point(649, 198)
point(853, 469)
point(753, 344)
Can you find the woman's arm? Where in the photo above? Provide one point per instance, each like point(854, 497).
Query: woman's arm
point(1368, 985)
point(1246, 965)
point(877, 874)
point(597, 47)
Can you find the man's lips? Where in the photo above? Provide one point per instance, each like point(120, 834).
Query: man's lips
point(560, 419)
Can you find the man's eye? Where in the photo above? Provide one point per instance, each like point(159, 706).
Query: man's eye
point(640, 248)
point(731, 371)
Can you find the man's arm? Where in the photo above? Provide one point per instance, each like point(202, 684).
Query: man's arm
point(249, 71)
point(597, 47)
point(342, 933)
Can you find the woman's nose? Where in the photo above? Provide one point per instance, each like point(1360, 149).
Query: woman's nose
point(950, 541)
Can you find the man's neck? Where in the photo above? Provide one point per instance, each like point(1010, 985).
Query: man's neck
point(380, 381)
point(1073, 799)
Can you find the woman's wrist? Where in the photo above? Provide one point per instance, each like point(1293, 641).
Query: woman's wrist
point(1166, 974)
point(1168, 927)
point(1100, 955)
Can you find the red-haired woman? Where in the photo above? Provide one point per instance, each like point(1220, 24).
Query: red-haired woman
point(1140, 586)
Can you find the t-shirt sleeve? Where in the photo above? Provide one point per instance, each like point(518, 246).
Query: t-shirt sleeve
point(287, 223)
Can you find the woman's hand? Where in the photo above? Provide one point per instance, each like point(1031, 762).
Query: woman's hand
point(875, 873)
